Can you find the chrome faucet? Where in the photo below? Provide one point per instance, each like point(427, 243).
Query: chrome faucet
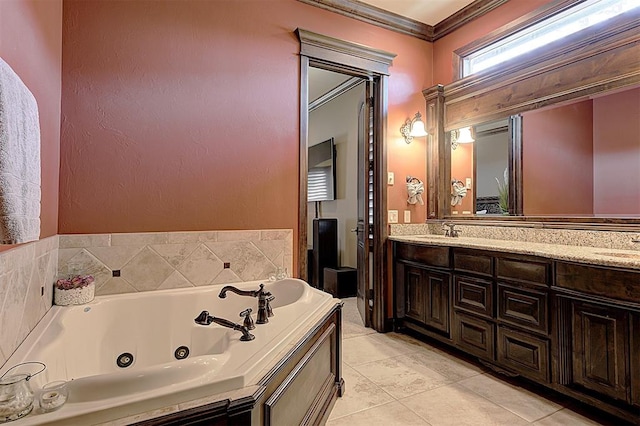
point(451, 232)
point(205, 319)
point(264, 300)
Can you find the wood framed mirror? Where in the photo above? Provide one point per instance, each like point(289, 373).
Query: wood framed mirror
point(574, 131)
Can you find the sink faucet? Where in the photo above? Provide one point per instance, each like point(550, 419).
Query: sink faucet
point(264, 299)
point(205, 319)
point(451, 232)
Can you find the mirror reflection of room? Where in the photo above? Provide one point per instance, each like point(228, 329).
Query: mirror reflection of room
point(581, 158)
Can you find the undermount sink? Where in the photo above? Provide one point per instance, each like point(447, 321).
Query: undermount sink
point(623, 255)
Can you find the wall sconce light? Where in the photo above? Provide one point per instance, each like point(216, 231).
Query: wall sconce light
point(413, 128)
point(461, 136)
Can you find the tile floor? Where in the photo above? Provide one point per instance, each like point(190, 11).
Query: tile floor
point(394, 379)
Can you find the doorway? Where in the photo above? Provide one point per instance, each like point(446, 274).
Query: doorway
point(370, 66)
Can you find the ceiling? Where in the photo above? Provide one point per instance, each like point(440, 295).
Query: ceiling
point(429, 12)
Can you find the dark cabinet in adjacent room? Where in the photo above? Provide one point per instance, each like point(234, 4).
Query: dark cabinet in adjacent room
point(325, 249)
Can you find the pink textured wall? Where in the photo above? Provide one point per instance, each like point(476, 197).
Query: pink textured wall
point(557, 166)
point(443, 48)
point(184, 115)
point(616, 139)
point(31, 43)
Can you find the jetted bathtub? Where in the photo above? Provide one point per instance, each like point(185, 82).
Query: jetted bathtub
point(82, 345)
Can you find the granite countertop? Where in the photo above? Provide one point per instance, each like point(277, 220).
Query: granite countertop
point(629, 259)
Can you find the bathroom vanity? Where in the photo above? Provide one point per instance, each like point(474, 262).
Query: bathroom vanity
point(564, 317)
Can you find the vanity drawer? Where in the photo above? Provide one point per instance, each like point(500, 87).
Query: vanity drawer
point(524, 270)
point(525, 354)
point(525, 307)
point(474, 295)
point(474, 335)
point(602, 281)
point(430, 256)
point(473, 262)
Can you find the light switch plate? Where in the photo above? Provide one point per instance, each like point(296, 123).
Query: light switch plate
point(391, 179)
point(393, 216)
point(468, 186)
point(407, 216)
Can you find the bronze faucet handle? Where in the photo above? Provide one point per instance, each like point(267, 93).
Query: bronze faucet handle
point(248, 321)
point(269, 299)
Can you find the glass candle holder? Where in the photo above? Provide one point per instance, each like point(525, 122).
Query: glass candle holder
point(53, 396)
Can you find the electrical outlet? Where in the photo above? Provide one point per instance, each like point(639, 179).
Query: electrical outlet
point(391, 178)
point(407, 216)
point(393, 216)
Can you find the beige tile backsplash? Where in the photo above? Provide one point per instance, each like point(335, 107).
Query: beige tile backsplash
point(573, 237)
point(146, 261)
point(163, 260)
point(26, 272)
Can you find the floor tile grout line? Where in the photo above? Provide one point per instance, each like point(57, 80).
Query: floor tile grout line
point(409, 408)
point(505, 408)
point(470, 390)
point(376, 406)
point(373, 406)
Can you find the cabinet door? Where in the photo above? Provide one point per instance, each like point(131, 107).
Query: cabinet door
point(415, 293)
point(600, 348)
point(427, 297)
point(635, 360)
point(437, 302)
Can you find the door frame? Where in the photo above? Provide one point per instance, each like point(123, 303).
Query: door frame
point(360, 61)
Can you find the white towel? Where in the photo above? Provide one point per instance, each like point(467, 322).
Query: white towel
point(19, 160)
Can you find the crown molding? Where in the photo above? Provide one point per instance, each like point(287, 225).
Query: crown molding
point(464, 16)
point(376, 16)
point(379, 17)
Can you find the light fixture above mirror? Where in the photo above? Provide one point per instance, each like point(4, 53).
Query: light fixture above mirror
point(413, 128)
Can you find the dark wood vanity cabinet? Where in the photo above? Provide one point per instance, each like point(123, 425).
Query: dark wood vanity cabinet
point(572, 327)
point(599, 342)
point(423, 297)
point(500, 310)
point(427, 298)
point(635, 360)
point(600, 349)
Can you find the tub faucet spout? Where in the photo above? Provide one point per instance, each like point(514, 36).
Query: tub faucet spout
point(205, 319)
point(232, 289)
point(263, 303)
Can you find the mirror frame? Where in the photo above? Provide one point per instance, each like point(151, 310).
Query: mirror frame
point(605, 60)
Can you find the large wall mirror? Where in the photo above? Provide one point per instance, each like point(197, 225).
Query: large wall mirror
point(556, 136)
point(578, 159)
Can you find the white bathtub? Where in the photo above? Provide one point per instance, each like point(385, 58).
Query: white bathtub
point(80, 344)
